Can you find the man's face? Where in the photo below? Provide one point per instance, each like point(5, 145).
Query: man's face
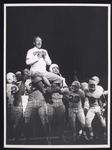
point(26, 73)
point(38, 42)
point(74, 88)
point(55, 70)
point(92, 87)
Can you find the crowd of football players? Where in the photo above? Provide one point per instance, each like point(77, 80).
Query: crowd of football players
point(82, 101)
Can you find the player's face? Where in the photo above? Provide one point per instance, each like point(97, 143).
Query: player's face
point(11, 78)
point(14, 79)
point(92, 87)
point(74, 88)
point(19, 77)
point(26, 73)
point(55, 70)
point(38, 42)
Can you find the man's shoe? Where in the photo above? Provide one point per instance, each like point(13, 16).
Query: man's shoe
point(74, 139)
point(90, 138)
point(85, 137)
point(49, 142)
point(62, 140)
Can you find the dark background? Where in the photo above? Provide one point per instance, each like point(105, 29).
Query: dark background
point(75, 37)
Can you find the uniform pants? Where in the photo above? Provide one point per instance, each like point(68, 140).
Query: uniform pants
point(14, 120)
point(90, 116)
point(36, 103)
point(73, 112)
point(56, 112)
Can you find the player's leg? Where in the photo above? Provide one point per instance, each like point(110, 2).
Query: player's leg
point(9, 121)
point(88, 121)
point(18, 122)
point(43, 113)
point(51, 113)
point(72, 120)
point(103, 122)
point(66, 102)
point(60, 112)
point(37, 80)
point(51, 117)
point(53, 77)
point(29, 115)
point(81, 118)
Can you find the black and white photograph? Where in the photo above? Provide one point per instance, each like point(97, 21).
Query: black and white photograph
point(57, 75)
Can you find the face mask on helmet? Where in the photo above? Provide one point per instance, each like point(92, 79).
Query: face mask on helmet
point(11, 77)
point(92, 85)
point(75, 86)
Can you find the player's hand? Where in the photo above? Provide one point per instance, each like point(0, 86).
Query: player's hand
point(49, 90)
point(105, 93)
point(55, 88)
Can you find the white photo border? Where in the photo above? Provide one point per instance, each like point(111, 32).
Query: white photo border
point(109, 75)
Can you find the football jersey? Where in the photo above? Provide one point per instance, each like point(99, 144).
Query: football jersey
point(94, 97)
point(75, 99)
point(9, 94)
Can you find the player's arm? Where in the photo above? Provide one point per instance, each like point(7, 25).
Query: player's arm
point(86, 105)
point(64, 89)
point(81, 93)
point(31, 58)
point(82, 96)
point(105, 92)
point(102, 104)
point(46, 57)
point(102, 100)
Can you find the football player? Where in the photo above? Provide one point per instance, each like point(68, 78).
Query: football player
point(14, 112)
point(94, 97)
point(57, 108)
point(36, 103)
point(75, 108)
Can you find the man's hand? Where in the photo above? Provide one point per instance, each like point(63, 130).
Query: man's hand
point(43, 54)
point(49, 90)
point(55, 88)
